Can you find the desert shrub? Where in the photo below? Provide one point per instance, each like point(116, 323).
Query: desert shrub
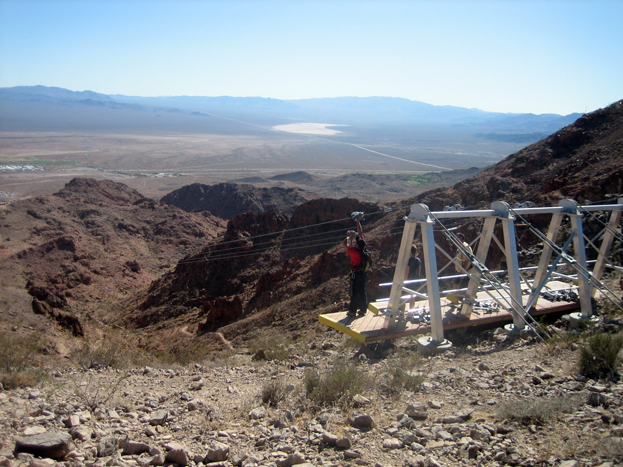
point(400, 372)
point(18, 358)
point(560, 343)
point(274, 392)
point(181, 355)
point(599, 357)
point(94, 391)
point(172, 352)
point(21, 379)
point(102, 354)
point(17, 352)
point(529, 411)
point(350, 343)
point(278, 348)
point(337, 386)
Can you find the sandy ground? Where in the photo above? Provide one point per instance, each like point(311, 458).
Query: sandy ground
point(308, 128)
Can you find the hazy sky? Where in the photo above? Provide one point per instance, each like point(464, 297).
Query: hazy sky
point(546, 56)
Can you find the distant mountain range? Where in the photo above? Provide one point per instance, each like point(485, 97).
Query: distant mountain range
point(37, 108)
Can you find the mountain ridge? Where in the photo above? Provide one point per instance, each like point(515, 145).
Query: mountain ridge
point(340, 110)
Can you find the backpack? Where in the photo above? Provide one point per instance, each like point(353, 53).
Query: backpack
point(366, 260)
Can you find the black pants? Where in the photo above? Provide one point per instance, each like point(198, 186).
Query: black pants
point(358, 297)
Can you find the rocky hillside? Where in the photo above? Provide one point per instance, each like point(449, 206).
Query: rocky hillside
point(258, 275)
point(94, 243)
point(256, 278)
point(72, 253)
point(498, 402)
point(94, 261)
point(227, 200)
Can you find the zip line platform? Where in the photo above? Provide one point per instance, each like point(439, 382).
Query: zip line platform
point(373, 326)
point(411, 310)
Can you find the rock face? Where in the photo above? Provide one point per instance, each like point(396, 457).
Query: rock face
point(91, 242)
point(261, 261)
point(98, 190)
point(227, 200)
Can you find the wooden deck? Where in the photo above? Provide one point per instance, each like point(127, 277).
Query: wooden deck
point(373, 328)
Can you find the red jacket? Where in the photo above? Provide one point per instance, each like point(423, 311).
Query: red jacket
point(355, 257)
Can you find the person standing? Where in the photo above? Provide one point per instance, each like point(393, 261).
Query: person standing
point(414, 266)
point(355, 244)
point(414, 269)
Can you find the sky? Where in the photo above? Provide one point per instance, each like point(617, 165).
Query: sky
point(545, 56)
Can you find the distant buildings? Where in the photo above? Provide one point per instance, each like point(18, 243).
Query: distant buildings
point(21, 168)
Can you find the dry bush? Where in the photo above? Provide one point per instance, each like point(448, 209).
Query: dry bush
point(539, 411)
point(21, 379)
point(17, 352)
point(337, 386)
point(350, 343)
point(274, 391)
point(184, 352)
point(94, 391)
point(558, 344)
point(608, 309)
point(90, 355)
point(18, 358)
point(278, 348)
point(214, 418)
point(401, 372)
point(600, 356)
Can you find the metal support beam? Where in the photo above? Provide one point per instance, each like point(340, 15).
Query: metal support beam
point(579, 249)
point(422, 214)
point(408, 235)
point(512, 262)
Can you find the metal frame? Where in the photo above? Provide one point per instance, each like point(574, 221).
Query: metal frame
point(421, 216)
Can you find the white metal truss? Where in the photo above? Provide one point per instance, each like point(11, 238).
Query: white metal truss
point(481, 278)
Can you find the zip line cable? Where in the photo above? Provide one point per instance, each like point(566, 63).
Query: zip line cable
point(246, 254)
point(272, 243)
point(241, 252)
point(208, 256)
point(239, 248)
point(254, 252)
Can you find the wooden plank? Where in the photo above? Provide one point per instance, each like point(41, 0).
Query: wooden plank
point(372, 327)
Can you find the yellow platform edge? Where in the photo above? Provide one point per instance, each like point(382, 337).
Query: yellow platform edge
point(340, 327)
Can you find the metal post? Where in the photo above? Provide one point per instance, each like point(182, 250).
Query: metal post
point(401, 268)
point(421, 212)
point(512, 263)
point(580, 255)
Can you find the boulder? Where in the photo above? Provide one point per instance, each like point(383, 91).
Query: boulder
point(53, 445)
point(217, 452)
